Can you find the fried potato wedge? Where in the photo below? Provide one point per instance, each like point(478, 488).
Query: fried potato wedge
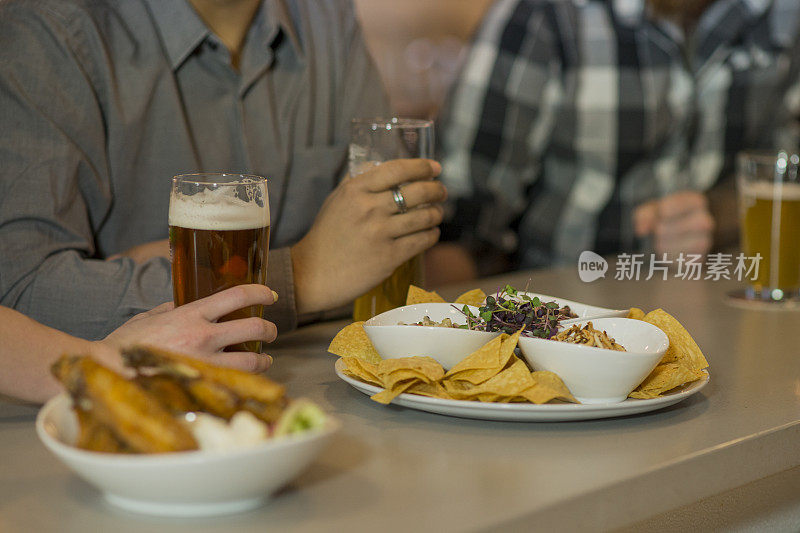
point(134, 416)
point(245, 386)
point(169, 391)
point(213, 398)
point(96, 436)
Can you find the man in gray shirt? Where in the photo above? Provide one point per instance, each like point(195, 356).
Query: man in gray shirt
point(102, 102)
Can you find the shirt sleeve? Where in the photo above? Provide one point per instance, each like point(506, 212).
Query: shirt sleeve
point(55, 189)
point(499, 122)
point(280, 278)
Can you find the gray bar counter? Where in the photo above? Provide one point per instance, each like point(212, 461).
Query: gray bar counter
point(392, 468)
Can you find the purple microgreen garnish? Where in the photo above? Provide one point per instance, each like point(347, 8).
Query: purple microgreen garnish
point(508, 311)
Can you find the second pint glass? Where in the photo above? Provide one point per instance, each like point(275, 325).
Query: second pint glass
point(219, 238)
point(769, 204)
point(373, 141)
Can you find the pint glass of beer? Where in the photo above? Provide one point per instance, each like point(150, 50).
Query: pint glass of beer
point(769, 206)
point(373, 141)
point(219, 238)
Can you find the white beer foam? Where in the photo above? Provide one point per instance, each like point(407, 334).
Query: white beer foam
point(767, 191)
point(216, 210)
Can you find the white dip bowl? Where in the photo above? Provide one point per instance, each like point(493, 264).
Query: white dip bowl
point(447, 345)
point(598, 375)
point(196, 483)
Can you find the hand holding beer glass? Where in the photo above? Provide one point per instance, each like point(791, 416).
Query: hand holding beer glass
point(219, 238)
point(372, 142)
point(768, 184)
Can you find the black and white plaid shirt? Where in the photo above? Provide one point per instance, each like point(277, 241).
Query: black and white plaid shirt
point(570, 113)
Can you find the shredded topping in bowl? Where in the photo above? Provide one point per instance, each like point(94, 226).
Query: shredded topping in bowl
point(588, 336)
point(426, 321)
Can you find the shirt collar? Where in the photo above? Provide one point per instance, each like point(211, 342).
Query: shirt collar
point(182, 30)
point(277, 11)
point(180, 27)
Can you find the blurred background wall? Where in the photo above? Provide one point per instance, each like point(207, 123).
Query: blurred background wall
point(418, 46)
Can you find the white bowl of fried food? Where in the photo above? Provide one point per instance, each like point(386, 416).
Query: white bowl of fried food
point(182, 438)
point(600, 360)
point(427, 329)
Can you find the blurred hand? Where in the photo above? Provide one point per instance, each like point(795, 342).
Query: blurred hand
point(359, 238)
point(449, 262)
point(144, 252)
point(193, 329)
point(679, 222)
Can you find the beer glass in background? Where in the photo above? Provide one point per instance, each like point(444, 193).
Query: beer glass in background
point(373, 141)
point(769, 214)
point(219, 238)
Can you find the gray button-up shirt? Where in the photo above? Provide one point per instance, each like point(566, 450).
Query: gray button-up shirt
point(101, 103)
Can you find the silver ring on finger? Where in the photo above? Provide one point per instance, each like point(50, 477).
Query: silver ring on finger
point(399, 200)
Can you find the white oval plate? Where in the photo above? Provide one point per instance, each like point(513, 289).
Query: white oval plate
point(527, 412)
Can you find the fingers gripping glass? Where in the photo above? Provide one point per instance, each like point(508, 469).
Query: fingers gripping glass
point(372, 142)
point(219, 238)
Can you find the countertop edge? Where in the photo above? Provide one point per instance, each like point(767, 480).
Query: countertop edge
point(671, 485)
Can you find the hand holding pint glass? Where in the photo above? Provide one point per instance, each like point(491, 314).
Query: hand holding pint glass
point(372, 142)
point(219, 238)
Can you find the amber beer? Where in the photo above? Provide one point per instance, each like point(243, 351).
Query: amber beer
point(771, 227)
point(391, 292)
point(219, 238)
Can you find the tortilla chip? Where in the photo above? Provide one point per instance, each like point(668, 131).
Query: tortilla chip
point(387, 395)
point(509, 344)
point(509, 383)
point(682, 347)
point(548, 386)
point(482, 364)
point(455, 388)
point(487, 361)
point(503, 386)
point(424, 369)
point(474, 297)
point(363, 370)
point(421, 296)
point(514, 384)
point(636, 313)
point(664, 378)
point(432, 390)
point(352, 341)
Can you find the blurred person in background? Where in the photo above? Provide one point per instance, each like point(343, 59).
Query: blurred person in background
point(103, 101)
point(611, 126)
point(418, 47)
